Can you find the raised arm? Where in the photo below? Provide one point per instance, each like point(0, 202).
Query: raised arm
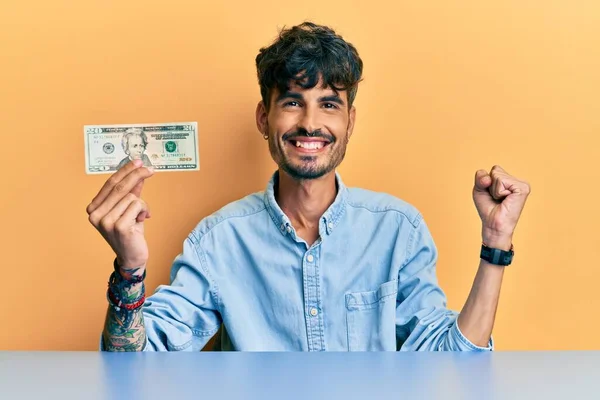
point(118, 213)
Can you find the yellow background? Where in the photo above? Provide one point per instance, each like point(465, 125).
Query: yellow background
point(449, 87)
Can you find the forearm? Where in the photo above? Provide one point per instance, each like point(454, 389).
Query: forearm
point(121, 336)
point(499, 199)
point(124, 329)
point(476, 319)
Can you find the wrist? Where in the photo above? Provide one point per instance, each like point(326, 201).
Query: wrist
point(497, 241)
point(129, 273)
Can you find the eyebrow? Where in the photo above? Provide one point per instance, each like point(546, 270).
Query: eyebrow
point(334, 98)
point(289, 95)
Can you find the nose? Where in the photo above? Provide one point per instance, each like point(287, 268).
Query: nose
point(309, 120)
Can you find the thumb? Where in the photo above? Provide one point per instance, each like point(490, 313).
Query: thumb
point(483, 181)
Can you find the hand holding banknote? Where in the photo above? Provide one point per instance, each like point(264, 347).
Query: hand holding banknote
point(132, 153)
point(118, 213)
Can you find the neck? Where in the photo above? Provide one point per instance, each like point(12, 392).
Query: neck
point(304, 202)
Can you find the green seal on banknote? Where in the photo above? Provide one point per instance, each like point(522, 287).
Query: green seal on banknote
point(170, 146)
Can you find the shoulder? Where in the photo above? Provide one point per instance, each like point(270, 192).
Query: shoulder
point(380, 202)
point(245, 207)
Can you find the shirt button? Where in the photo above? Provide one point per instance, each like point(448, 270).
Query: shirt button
point(310, 258)
point(330, 225)
point(313, 311)
point(288, 229)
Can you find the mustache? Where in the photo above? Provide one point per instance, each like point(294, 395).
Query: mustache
point(303, 132)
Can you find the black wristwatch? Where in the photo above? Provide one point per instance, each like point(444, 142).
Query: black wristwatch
point(497, 256)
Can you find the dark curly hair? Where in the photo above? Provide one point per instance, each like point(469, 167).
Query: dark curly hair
point(305, 53)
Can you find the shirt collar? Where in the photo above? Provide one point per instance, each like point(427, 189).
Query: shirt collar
point(329, 219)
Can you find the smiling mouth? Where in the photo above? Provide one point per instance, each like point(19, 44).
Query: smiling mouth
point(309, 145)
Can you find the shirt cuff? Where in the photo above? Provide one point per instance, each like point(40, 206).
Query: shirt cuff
point(466, 344)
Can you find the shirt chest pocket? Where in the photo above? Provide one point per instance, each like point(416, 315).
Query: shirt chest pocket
point(370, 318)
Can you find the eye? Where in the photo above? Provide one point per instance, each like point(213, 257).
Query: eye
point(291, 104)
point(330, 105)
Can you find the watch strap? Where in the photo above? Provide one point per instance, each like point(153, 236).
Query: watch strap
point(497, 256)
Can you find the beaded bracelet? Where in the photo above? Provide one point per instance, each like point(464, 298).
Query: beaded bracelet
point(125, 309)
point(116, 287)
point(117, 304)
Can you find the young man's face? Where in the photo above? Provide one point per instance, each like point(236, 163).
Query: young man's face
point(136, 147)
point(308, 130)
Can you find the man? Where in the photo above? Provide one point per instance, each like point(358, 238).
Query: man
point(309, 264)
point(134, 143)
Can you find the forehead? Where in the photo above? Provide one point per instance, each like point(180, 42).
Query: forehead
point(135, 138)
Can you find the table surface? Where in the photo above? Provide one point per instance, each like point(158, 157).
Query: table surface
point(445, 375)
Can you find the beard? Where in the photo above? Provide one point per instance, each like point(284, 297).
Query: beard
point(308, 166)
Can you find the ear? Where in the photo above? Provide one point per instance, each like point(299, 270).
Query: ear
point(351, 119)
point(262, 118)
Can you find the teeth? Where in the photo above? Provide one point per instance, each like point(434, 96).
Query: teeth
point(309, 145)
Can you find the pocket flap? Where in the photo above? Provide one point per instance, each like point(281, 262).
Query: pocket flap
point(359, 300)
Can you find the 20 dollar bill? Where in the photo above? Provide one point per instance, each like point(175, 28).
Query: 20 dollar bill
point(164, 146)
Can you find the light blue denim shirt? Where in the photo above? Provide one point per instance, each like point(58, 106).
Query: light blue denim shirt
point(368, 283)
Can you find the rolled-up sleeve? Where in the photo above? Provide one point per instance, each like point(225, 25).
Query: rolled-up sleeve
point(423, 322)
point(183, 315)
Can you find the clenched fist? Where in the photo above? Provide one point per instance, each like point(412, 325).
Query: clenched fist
point(499, 198)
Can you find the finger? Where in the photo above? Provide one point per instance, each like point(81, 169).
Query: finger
point(510, 183)
point(123, 188)
point(495, 188)
point(107, 222)
point(498, 169)
point(482, 180)
point(144, 214)
point(129, 217)
point(137, 190)
point(523, 188)
point(503, 186)
point(111, 182)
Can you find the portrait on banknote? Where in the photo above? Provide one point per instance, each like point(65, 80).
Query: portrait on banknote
point(134, 143)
